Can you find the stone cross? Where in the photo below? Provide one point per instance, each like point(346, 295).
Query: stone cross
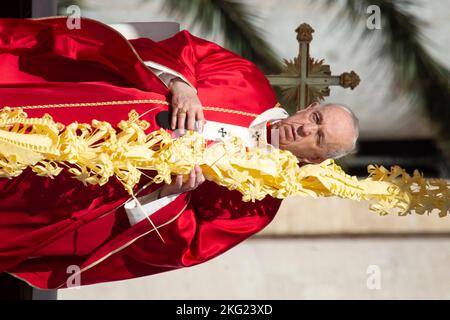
point(305, 79)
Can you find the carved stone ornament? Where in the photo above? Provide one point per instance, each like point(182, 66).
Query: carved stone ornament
point(349, 80)
point(305, 79)
point(304, 32)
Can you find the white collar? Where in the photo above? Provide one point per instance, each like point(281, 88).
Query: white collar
point(258, 128)
point(253, 136)
point(270, 114)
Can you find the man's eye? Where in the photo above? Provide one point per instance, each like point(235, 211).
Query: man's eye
point(316, 118)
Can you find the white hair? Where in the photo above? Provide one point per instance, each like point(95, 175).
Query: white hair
point(339, 153)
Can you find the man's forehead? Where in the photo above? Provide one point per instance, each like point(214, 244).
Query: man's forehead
point(338, 125)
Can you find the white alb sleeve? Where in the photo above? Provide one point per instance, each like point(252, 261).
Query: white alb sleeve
point(166, 74)
point(150, 203)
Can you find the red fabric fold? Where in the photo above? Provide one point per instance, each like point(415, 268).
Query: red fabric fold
point(48, 225)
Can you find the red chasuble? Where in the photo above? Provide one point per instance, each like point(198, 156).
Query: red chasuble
point(50, 228)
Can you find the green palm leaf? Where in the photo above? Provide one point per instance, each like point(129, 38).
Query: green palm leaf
point(235, 21)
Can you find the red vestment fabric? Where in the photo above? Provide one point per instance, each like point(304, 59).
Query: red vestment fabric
point(48, 225)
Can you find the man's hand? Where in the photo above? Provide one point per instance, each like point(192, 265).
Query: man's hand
point(185, 104)
point(196, 178)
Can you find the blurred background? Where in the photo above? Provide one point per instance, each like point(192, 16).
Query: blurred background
point(322, 248)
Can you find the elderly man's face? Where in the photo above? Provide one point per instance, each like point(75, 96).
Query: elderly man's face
point(312, 133)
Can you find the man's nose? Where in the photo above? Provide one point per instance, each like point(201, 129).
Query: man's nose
point(308, 129)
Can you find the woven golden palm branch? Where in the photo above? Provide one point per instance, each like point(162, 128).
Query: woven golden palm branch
point(94, 153)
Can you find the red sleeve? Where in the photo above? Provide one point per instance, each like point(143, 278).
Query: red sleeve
point(208, 66)
point(196, 227)
point(224, 220)
point(45, 50)
point(215, 220)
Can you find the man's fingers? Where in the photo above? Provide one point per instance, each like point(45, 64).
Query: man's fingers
point(200, 120)
point(179, 181)
point(191, 121)
point(181, 119)
point(192, 177)
point(199, 177)
point(173, 122)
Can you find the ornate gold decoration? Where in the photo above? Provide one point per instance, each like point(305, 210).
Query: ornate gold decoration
point(121, 102)
point(133, 117)
point(94, 153)
point(92, 104)
point(225, 110)
point(304, 79)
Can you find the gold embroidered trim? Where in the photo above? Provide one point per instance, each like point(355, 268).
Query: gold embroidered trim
point(249, 114)
point(92, 104)
point(119, 102)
